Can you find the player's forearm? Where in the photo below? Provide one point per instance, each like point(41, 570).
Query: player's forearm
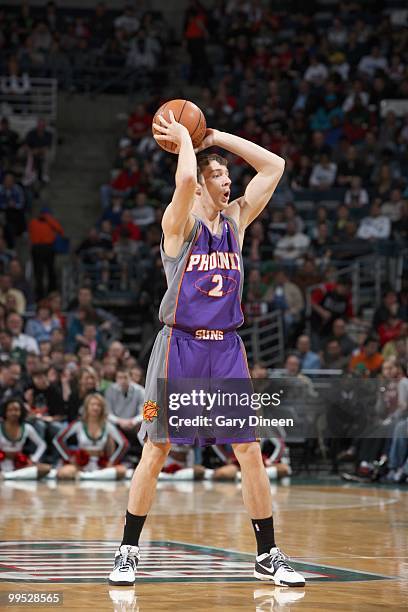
point(187, 163)
point(259, 158)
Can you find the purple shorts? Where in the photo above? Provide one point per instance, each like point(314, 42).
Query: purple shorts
point(210, 361)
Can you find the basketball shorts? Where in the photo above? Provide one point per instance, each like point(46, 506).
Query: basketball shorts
point(179, 364)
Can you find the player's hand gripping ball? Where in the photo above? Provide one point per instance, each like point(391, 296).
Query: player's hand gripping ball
point(178, 111)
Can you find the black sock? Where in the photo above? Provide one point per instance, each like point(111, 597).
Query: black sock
point(132, 530)
point(264, 533)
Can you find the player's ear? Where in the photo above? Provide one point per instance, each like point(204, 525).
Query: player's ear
point(199, 189)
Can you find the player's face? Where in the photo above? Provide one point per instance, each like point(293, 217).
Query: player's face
point(218, 183)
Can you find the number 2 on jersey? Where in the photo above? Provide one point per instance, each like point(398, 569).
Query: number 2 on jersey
point(216, 291)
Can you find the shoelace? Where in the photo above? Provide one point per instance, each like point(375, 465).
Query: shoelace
point(125, 562)
point(279, 560)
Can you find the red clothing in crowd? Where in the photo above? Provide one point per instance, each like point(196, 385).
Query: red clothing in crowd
point(387, 333)
point(126, 180)
point(133, 230)
point(139, 124)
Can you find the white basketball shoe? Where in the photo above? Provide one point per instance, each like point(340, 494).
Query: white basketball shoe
point(125, 566)
point(273, 566)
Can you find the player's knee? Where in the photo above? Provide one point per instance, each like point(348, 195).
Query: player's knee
point(249, 454)
point(154, 455)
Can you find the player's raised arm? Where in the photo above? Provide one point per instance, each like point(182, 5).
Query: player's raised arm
point(269, 168)
point(177, 220)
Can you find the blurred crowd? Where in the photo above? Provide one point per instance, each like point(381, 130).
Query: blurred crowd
point(308, 86)
point(79, 47)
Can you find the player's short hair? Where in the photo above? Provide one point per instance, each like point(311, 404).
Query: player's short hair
point(203, 159)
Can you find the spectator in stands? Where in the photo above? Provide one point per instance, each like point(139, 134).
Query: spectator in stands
point(195, 35)
point(375, 227)
point(13, 299)
point(91, 339)
point(290, 214)
point(368, 356)
point(292, 370)
point(124, 400)
point(356, 196)
point(391, 329)
point(307, 274)
point(39, 143)
point(142, 213)
point(340, 225)
point(84, 382)
point(316, 73)
point(128, 21)
point(127, 225)
point(397, 349)
point(286, 296)
point(19, 282)
point(43, 230)
point(125, 182)
point(93, 248)
point(322, 244)
point(259, 370)
point(393, 208)
point(11, 384)
point(339, 333)
point(108, 324)
point(12, 203)
point(370, 64)
point(47, 409)
point(349, 169)
point(254, 297)
point(383, 181)
point(139, 123)
point(144, 52)
point(357, 91)
point(20, 340)
point(389, 307)
point(43, 324)
point(293, 245)
point(308, 359)
point(328, 303)
point(301, 175)
point(333, 357)
point(323, 174)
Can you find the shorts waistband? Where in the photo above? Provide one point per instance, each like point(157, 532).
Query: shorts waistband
point(205, 335)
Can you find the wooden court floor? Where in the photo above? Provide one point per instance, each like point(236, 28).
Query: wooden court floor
point(350, 541)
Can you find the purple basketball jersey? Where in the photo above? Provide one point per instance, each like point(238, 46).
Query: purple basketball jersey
point(205, 281)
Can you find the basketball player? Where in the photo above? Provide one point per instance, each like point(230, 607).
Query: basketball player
point(202, 232)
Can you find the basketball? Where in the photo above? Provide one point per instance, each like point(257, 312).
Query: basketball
point(188, 114)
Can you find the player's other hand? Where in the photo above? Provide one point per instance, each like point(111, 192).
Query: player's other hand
point(208, 141)
point(170, 130)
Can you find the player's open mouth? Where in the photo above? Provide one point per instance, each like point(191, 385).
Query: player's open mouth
point(225, 196)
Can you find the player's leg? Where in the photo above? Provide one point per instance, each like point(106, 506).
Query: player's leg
point(141, 497)
point(143, 486)
point(270, 561)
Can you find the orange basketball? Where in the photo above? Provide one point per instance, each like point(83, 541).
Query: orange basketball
point(188, 114)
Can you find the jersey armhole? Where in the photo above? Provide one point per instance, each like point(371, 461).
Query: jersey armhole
point(235, 230)
point(185, 246)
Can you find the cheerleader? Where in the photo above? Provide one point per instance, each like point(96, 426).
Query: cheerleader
point(96, 457)
point(14, 434)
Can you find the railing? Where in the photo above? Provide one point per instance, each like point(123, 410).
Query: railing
point(38, 98)
point(264, 340)
point(367, 275)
